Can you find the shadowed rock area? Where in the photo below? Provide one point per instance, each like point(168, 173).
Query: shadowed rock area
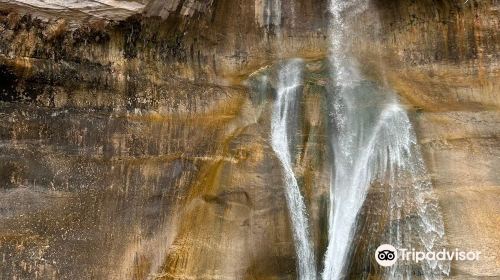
point(135, 138)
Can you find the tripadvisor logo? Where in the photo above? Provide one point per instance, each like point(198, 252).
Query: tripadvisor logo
point(387, 255)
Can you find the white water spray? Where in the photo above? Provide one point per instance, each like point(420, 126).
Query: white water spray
point(373, 142)
point(289, 81)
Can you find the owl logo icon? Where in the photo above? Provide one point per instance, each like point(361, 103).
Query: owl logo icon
point(386, 255)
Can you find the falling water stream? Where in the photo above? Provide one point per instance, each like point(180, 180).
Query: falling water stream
point(373, 142)
point(289, 83)
point(272, 13)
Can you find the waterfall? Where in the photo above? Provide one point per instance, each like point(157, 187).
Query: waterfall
point(374, 142)
point(289, 82)
point(272, 13)
point(268, 15)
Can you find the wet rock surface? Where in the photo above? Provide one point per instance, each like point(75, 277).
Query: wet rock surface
point(134, 146)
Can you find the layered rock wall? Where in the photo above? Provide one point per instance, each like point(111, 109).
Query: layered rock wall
point(158, 99)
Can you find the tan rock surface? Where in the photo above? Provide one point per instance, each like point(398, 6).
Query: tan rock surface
point(134, 149)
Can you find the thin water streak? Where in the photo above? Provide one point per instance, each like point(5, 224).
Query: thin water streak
point(289, 82)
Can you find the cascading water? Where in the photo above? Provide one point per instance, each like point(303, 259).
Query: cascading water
point(272, 12)
point(374, 142)
point(289, 82)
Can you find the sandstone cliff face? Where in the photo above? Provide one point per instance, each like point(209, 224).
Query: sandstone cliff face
point(443, 58)
point(135, 144)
